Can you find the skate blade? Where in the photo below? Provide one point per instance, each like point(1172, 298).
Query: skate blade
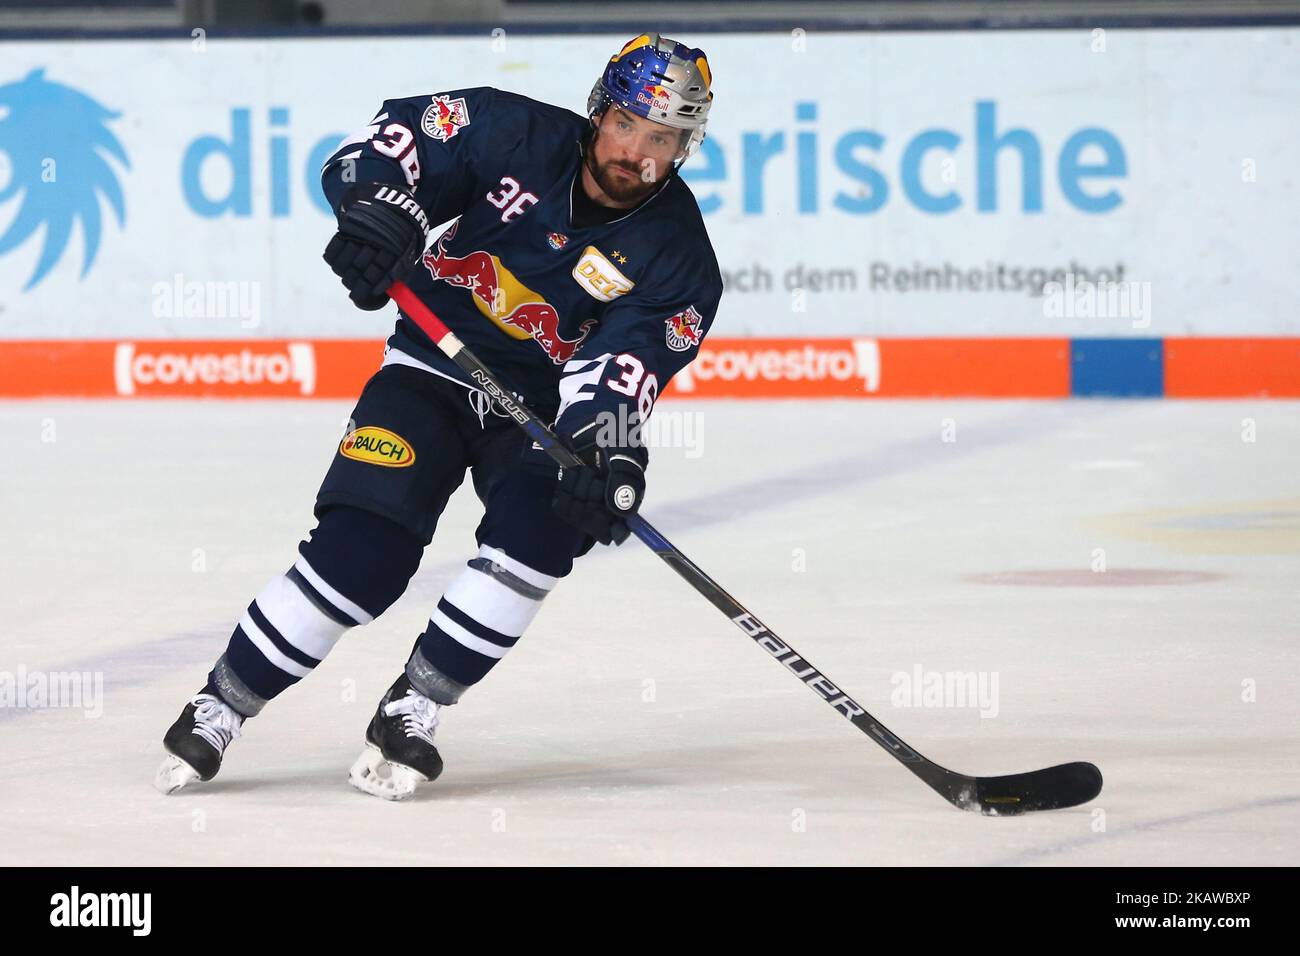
point(374, 775)
point(173, 774)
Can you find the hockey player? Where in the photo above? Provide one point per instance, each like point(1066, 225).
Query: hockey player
point(579, 270)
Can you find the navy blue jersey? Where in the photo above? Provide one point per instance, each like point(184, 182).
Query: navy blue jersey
point(587, 319)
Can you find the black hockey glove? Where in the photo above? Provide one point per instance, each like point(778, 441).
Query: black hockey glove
point(382, 232)
point(598, 498)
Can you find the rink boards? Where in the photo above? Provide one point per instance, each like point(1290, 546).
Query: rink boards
point(730, 368)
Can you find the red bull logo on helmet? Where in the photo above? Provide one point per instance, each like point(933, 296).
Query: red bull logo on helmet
point(685, 329)
point(444, 118)
point(513, 307)
point(654, 96)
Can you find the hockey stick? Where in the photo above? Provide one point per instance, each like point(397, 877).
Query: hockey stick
point(1052, 788)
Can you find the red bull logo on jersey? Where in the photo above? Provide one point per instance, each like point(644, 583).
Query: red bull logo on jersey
point(514, 308)
point(685, 329)
point(444, 118)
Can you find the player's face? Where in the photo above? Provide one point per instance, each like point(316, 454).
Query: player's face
point(631, 155)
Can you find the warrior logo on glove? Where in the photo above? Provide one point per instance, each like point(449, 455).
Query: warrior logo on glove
point(396, 197)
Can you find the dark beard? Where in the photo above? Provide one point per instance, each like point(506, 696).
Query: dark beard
point(615, 187)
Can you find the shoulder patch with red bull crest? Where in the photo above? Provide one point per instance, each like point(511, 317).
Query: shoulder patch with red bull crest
point(685, 329)
point(444, 118)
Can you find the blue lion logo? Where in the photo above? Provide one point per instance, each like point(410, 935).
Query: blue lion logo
point(40, 122)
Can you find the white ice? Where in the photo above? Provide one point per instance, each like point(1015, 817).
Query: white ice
point(635, 725)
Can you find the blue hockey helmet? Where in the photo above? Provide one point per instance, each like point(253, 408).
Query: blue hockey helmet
point(661, 80)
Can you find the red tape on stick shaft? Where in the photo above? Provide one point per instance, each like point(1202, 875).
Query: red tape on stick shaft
point(418, 312)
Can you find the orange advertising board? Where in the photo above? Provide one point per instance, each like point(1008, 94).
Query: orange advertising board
point(725, 368)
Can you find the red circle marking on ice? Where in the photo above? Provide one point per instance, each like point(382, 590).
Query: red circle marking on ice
point(1086, 578)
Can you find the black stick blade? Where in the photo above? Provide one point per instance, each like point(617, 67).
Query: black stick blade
point(1052, 788)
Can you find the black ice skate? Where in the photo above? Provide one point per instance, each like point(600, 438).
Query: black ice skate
point(196, 742)
point(399, 750)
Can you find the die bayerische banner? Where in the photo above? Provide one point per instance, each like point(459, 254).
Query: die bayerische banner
point(1020, 213)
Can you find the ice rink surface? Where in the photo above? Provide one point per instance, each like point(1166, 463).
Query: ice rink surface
point(1129, 572)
